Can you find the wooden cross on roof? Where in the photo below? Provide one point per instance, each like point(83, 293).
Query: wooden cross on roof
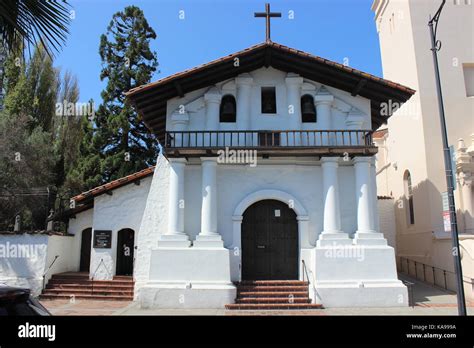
point(267, 15)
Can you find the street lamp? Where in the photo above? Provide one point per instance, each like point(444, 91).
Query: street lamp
point(435, 47)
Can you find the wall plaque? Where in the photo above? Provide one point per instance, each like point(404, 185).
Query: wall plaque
point(102, 239)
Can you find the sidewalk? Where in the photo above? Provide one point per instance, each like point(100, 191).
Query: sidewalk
point(428, 300)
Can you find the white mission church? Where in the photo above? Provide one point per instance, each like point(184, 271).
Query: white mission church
point(210, 226)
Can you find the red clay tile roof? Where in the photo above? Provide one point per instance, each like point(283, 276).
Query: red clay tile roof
point(188, 72)
point(380, 133)
point(150, 99)
point(114, 184)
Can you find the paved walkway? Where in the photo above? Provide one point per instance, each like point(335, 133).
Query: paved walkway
point(429, 300)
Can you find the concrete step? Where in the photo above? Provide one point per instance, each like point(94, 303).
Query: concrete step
point(272, 300)
point(272, 283)
point(90, 282)
point(284, 294)
point(90, 287)
point(255, 288)
point(86, 297)
point(266, 306)
point(87, 292)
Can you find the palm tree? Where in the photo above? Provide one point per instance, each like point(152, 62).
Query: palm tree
point(25, 23)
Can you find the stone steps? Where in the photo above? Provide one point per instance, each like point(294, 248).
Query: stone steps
point(274, 300)
point(272, 294)
point(265, 306)
point(79, 286)
point(89, 287)
point(86, 297)
point(88, 292)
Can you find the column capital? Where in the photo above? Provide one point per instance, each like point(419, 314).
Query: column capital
point(362, 159)
point(177, 160)
point(330, 160)
point(244, 80)
point(209, 160)
point(293, 79)
point(213, 96)
point(323, 97)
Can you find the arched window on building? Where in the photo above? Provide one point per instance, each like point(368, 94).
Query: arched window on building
point(308, 110)
point(410, 211)
point(228, 110)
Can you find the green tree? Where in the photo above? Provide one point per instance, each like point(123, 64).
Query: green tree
point(31, 88)
point(120, 144)
point(38, 147)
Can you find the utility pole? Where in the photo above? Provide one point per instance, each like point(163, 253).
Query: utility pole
point(435, 47)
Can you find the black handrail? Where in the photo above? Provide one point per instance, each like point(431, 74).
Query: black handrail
point(93, 275)
point(305, 271)
point(433, 271)
point(51, 265)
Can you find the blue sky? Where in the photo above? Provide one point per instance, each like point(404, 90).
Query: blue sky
point(333, 29)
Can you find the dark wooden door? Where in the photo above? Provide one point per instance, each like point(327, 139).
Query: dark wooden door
point(269, 242)
point(86, 240)
point(125, 248)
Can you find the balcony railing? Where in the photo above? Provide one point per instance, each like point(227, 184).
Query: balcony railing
point(270, 139)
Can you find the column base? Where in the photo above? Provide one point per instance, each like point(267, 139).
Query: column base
point(331, 238)
point(208, 241)
point(173, 241)
point(369, 238)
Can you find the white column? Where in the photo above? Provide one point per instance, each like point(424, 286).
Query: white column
point(354, 122)
point(375, 206)
point(209, 237)
point(467, 200)
point(323, 102)
point(213, 102)
point(331, 233)
point(175, 235)
point(179, 123)
point(366, 233)
point(244, 92)
point(293, 97)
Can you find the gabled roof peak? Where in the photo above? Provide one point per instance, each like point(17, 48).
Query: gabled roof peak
point(150, 99)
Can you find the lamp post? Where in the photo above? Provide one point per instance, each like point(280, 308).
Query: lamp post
point(435, 47)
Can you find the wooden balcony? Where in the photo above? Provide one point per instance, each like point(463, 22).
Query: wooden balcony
point(272, 142)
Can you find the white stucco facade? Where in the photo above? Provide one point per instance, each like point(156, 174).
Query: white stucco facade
point(190, 239)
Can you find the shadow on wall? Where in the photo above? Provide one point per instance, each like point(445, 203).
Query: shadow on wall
point(425, 244)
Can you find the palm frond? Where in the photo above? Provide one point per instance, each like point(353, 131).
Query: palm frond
point(29, 22)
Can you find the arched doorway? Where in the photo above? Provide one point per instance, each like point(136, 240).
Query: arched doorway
point(86, 239)
point(125, 248)
point(269, 241)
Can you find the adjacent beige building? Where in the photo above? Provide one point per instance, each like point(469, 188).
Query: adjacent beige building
point(410, 165)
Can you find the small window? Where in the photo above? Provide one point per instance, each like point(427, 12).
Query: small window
point(268, 100)
point(308, 110)
point(468, 70)
point(409, 198)
point(228, 110)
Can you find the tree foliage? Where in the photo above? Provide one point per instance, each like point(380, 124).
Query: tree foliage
point(119, 143)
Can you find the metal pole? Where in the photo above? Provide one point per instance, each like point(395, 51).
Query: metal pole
point(435, 47)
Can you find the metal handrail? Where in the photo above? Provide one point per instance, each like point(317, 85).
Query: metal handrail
point(97, 268)
point(433, 270)
point(268, 138)
point(51, 265)
point(305, 271)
